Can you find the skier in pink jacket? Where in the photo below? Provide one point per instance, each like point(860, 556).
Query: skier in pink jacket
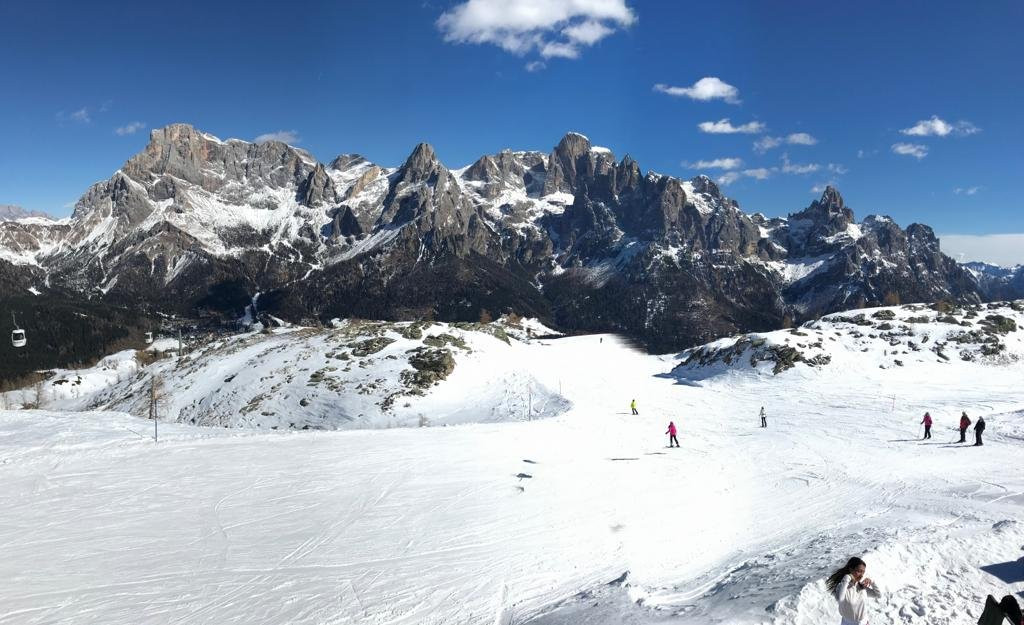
point(927, 421)
point(671, 431)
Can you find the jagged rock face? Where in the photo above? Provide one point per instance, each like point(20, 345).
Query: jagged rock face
point(182, 152)
point(522, 171)
point(876, 262)
point(812, 231)
point(195, 224)
point(571, 154)
point(317, 189)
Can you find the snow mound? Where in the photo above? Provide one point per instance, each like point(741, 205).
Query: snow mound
point(360, 374)
point(876, 338)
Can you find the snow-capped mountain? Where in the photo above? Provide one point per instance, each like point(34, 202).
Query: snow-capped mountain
point(998, 282)
point(574, 237)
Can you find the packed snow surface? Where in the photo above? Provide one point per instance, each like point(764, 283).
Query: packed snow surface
point(586, 517)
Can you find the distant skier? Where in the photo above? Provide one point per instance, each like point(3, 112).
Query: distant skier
point(764, 419)
point(979, 428)
point(632, 406)
point(601, 340)
point(671, 431)
point(851, 588)
point(964, 424)
point(927, 421)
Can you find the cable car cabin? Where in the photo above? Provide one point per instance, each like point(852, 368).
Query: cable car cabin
point(18, 338)
point(149, 338)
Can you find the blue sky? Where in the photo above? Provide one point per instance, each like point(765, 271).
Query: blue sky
point(840, 84)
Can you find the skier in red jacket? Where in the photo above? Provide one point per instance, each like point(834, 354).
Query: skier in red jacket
point(671, 431)
point(927, 421)
point(964, 424)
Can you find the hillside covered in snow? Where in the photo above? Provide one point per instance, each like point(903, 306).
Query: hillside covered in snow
point(912, 336)
point(357, 374)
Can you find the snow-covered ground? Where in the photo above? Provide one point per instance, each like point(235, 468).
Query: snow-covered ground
point(585, 517)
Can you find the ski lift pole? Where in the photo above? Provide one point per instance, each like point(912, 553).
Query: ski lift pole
point(152, 408)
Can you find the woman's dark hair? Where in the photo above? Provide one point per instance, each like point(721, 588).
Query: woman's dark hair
point(837, 577)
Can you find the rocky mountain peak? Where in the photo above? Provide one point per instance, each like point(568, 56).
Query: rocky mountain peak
point(572, 154)
point(317, 188)
point(704, 184)
point(177, 149)
point(830, 211)
point(483, 170)
point(421, 165)
point(832, 199)
point(347, 161)
point(572, 145)
point(10, 212)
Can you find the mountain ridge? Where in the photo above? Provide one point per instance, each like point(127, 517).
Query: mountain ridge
point(193, 224)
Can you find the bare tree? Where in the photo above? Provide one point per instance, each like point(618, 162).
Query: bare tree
point(37, 392)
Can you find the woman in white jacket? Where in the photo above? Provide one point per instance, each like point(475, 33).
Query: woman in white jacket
point(851, 589)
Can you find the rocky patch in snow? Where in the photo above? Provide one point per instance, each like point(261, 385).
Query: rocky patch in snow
point(887, 337)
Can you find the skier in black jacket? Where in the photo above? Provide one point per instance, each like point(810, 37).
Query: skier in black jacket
point(979, 428)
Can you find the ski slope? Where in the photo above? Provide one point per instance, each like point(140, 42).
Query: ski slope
point(586, 517)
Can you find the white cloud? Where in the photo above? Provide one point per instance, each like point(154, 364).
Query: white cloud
point(129, 128)
point(967, 190)
point(707, 88)
point(790, 168)
point(718, 163)
point(916, 150)
point(723, 126)
point(940, 128)
point(729, 177)
point(761, 173)
point(556, 49)
point(290, 137)
point(860, 154)
point(820, 188)
point(535, 66)
point(837, 169)
point(81, 116)
point(801, 138)
point(764, 144)
point(999, 249)
point(552, 28)
point(587, 33)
